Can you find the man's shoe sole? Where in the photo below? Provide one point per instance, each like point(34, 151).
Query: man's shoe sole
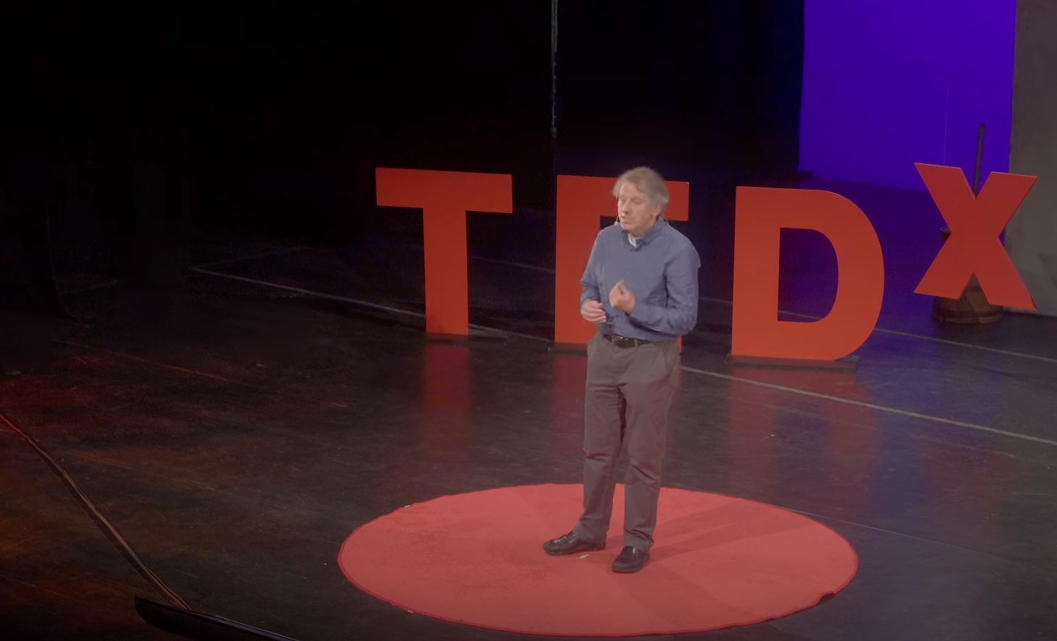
point(575, 550)
point(627, 570)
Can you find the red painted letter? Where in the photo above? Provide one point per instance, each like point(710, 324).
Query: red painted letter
point(444, 198)
point(582, 201)
point(973, 246)
point(761, 213)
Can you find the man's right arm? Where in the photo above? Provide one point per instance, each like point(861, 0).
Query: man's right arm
point(592, 289)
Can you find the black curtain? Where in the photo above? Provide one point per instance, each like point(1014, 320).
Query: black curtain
point(135, 127)
point(708, 82)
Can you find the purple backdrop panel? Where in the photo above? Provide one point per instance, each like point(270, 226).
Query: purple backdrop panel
point(894, 82)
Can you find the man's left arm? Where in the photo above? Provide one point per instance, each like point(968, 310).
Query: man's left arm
point(679, 316)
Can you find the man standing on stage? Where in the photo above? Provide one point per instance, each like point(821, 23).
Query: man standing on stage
point(640, 288)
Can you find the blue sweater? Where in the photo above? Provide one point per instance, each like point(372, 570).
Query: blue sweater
point(660, 270)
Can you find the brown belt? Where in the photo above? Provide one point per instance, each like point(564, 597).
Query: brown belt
point(623, 341)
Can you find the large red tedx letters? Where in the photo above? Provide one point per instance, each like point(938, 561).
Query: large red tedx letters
point(973, 247)
point(761, 214)
point(444, 198)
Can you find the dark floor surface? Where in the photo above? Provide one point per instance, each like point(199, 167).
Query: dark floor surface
point(235, 433)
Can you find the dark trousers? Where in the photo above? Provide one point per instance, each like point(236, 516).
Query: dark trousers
point(629, 391)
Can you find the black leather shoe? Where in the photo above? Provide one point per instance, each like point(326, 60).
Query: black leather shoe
point(631, 559)
point(571, 544)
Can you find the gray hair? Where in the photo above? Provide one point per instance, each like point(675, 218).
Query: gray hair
point(648, 182)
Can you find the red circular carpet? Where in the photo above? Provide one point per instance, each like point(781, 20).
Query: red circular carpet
point(477, 559)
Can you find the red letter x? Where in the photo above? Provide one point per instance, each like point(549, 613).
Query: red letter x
point(973, 246)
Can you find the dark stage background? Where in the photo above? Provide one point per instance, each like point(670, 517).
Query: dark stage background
point(135, 133)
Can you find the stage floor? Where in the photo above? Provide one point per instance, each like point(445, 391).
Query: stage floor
point(235, 430)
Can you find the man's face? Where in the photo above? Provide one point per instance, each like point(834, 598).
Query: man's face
point(635, 211)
